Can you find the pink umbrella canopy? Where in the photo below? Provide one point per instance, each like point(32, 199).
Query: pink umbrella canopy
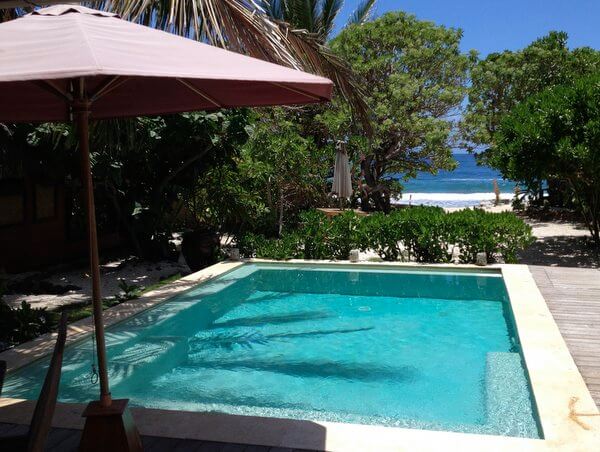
point(131, 70)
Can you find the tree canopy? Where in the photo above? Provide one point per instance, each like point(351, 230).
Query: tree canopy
point(415, 77)
point(146, 170)
point(556, 134)
point(502, 80)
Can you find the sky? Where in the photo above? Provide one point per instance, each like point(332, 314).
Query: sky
point(495, 25)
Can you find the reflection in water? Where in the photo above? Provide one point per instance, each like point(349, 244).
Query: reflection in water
point(247, 340)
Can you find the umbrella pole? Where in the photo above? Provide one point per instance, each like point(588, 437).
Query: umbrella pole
point(109, 424)
point(82, 117)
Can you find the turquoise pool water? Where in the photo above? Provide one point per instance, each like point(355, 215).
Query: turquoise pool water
point(421, 349)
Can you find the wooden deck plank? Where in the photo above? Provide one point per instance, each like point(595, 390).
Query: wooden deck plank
point(63, 439)
point(67, 440)
point(573, 297)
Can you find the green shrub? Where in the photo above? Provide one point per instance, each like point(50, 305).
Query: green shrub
point(381, 232)
point(472, 232)
point(345, 232)
point(497, 234)
point(512, 235)
point(315, 230)
point(22, 324)
point(129, 291)
point(422, 234)
point(287, 247)
point(249, 243)
point(417, 233)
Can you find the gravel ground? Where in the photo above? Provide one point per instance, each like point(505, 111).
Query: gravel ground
point(560, 244)
point(134, 272)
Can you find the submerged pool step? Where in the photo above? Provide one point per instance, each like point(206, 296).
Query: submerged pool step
point(509, 408)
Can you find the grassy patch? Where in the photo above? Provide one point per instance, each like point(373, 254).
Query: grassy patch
point(162, 282)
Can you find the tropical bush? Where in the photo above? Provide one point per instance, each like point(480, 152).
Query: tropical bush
point(496, 234)
point(345, 232)
point(425, 236)
point(286, 247)
point(22, 324)
point(422, 234)
point(555, 136)
point(316, 230)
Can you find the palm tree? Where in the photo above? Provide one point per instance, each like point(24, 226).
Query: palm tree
point(289, 32)
point(315, 16)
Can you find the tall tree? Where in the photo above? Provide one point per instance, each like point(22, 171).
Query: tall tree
point(502, 80)
point(290, 169)
point(415, 76)
point(556, 135)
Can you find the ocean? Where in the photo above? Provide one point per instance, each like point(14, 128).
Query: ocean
point(468, 185)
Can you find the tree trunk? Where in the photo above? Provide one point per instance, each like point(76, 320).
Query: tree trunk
point(374, 190)
point(588, 206)
point(280, 220)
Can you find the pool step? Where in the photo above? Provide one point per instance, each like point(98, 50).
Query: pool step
point(509, 408)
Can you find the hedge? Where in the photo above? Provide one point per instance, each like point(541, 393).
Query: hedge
point(422, 234)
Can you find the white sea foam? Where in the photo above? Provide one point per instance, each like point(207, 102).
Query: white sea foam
point(455, 196)
point(449, 199)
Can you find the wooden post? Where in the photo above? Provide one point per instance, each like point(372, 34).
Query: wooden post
point(109, 424)
point(82, 113)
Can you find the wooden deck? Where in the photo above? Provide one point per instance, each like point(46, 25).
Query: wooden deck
point(573, 296)
point(67, 440)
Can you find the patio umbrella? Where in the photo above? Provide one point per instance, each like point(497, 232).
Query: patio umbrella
point(342, 182)
point(71, 63)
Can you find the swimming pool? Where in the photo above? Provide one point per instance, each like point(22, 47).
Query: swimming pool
point(412, 348)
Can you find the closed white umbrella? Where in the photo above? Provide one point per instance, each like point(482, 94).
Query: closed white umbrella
point(342, 182)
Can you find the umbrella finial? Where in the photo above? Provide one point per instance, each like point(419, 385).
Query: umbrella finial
point(60, 10)
point(340, 145)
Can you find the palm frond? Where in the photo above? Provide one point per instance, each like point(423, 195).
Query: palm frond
point(302, 13)
point(362, 13)
point(319, 59)
point(274, 8)
point(329, 11)
point(239, 25)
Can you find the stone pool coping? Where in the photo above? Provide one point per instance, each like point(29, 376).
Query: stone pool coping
point(568, 416)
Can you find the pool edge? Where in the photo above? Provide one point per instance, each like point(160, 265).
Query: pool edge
point(42, 346)
point(554, 378)
point(567, 413)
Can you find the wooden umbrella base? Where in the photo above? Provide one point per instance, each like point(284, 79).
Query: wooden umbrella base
point(109, 428)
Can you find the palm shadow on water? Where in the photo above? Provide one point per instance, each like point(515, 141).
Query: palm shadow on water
point(228, 341)
point(315, 368)
point(271, 319)
point(199, 358)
